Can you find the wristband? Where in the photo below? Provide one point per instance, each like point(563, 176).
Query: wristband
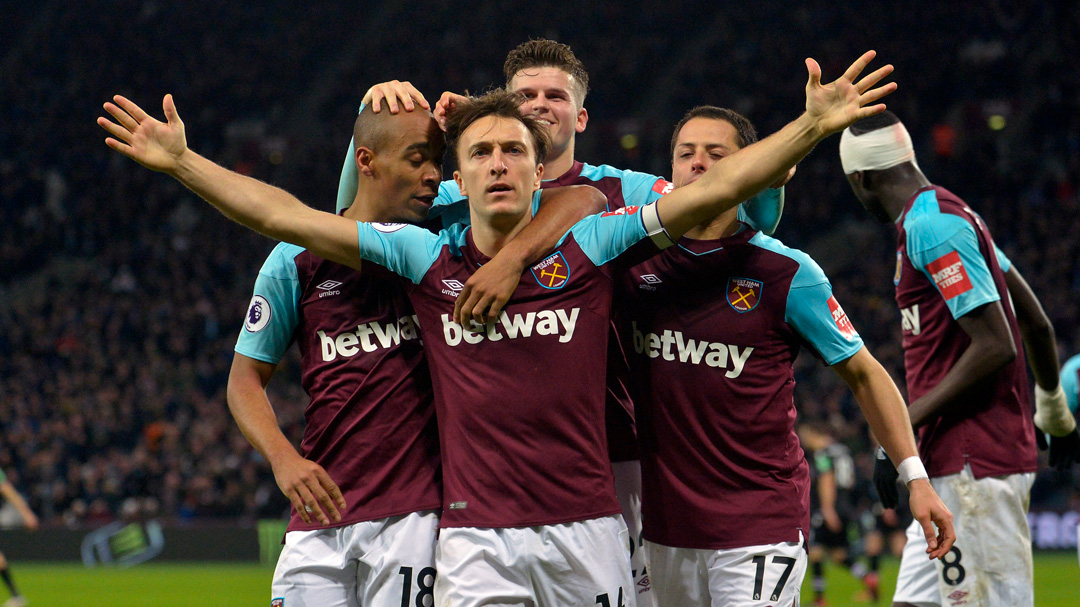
point(654, 228)
point(1052, 414)
point(911, 469)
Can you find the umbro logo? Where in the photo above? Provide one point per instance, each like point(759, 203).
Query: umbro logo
point(453, 287)
point(329, 288)
point(650, 280)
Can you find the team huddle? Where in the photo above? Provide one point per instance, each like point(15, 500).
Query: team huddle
point(579, 391)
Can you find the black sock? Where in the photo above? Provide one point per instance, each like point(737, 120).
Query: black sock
point(819, 579)
point(874, 562)
point(5, 573)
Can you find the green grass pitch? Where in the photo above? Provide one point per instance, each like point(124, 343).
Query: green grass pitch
point(232, 585)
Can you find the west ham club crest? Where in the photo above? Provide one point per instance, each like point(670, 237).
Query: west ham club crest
point(743, 294)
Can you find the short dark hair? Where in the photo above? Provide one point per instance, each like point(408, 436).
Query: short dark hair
point(370, 129)
point(873, 123)
point(744, 129)
point(547, 53)
point(499, 103)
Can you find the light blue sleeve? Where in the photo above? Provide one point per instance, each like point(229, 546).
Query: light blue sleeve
point(605, 236)
point(763, 211)
point(449, 205)
point(1003, 260)
point(406, 250)
point(639, 189)
point(1070, 382)
point(814, 313)
point(274, 312)
point(350, 180)
point(945, 248)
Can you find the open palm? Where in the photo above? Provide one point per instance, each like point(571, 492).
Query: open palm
point(154, 144)
point(837, 105)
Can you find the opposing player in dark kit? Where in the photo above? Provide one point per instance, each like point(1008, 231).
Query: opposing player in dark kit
point(529, 507)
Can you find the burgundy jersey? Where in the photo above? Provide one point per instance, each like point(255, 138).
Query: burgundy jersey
point(371, 419)
point(520, 401)
point(947, 267)
point(715, 327)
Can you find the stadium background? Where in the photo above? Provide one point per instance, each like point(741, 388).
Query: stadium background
point(121, 294)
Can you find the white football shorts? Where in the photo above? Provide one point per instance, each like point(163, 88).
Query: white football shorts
point(566, 565)
point(990, 564)
point(754, 576)
point(380, 563)
point(628, 490)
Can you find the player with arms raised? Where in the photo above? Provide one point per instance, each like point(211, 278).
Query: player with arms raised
point(530, 513)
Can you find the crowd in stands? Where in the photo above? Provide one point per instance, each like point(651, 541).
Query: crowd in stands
point(121, 293)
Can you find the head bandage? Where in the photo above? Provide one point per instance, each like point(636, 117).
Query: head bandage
point(876, 150)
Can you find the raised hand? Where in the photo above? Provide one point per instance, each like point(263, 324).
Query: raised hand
point(837, 105)
point(155, 145)
point(445, 106)
point(396, 95)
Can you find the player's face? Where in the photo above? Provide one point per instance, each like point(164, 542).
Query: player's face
point(409, 167)
point(550, 96)
point(498, 169)
point(870, 201)
point(701, 142)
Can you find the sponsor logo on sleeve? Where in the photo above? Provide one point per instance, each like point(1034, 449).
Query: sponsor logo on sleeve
point(258, 314)
point(623, 211)
point(743, 294)
point(949, 275)
point(387, 228)
point(663, 187)
point(553, 272)
point(840, 318)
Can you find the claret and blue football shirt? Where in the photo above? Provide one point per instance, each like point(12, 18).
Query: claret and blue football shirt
point(371, 419)
point(715, 326)
point(948, 266)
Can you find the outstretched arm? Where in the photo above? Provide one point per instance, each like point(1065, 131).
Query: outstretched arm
point(307, 484)
point(884, 410)
point(268, 210)
point(829, 109)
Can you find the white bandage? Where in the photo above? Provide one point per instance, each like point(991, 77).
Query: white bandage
point(876, 150)
point(1052, 414)
point(910, 469)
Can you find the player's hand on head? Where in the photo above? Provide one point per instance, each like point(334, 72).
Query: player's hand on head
point(446, 105)
point(154, 144)
point(314, 495)
point(838, 104)
point(1065, 450)
point(395, 95)
point(487, 291)
point(931, 512)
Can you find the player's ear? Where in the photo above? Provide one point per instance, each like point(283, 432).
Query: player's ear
point(539, 176)
point(460, 183)
point(365, 158)
point(582, 120)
